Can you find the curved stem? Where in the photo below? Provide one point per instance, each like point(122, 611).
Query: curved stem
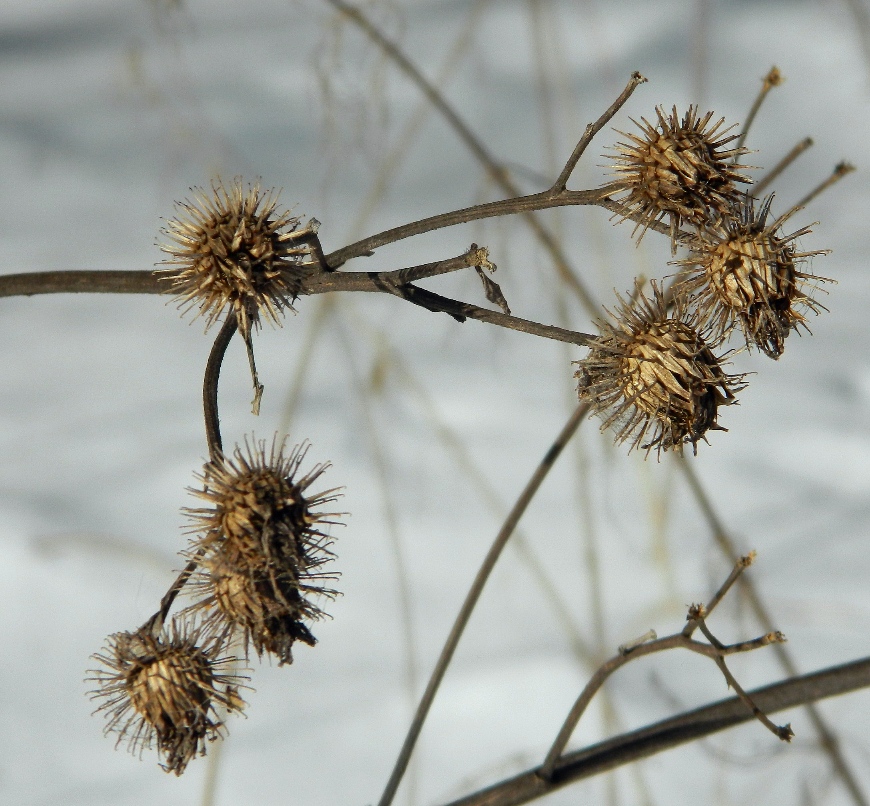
point(473, 595)
point(210, 386)
point(517, 204)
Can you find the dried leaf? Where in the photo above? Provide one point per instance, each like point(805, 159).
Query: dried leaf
point(492, 291)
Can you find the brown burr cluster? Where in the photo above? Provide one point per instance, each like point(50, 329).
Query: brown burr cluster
point(654, 374)
point(166, 687)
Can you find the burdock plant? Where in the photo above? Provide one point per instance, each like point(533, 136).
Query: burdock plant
point(165, 687)
point(679, 170)
point(234, 249)
point(743, 271)
point(652, 376)
point(260, 547)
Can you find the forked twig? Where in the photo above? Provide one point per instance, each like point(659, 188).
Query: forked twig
point(673, 732)
point(495, 170)
point(637, 649)
point(739, 567)
point(783, 732)
point(592, 129)
point(828, 739)
point(473, 595)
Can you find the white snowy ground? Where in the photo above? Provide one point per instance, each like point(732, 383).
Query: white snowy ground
point(110, 111)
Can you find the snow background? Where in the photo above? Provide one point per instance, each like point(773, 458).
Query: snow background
point(110, 111)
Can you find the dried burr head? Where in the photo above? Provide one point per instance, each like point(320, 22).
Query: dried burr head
point(652, 377)
point(165, 688)
point(233, 249)
point(682, 171)
point(742, 271)
point(260, 547)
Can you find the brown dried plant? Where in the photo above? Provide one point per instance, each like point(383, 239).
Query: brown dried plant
point(652, 376)
point(234, 249)
point(743, 271)
point(255, 563)
point(680, 170)
point(260, 547)
point(165, 687)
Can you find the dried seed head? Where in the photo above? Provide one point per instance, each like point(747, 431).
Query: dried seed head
point(744, 271)
point(234, 248)
point(260, 547)
point(652, 376)
point(679, 170)
point(166, 687)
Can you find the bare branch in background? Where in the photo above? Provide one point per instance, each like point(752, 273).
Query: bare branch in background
point(670, 733)
point(472, 597)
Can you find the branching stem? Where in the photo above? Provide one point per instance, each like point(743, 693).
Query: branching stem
point(715, 650)
point(673, 732)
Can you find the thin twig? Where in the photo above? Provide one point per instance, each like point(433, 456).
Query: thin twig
point(495, 170)
point(673, 732)
point(592, 129)
point(759, 187)
point(783, 732)
point(773, 79)
point(457, 449)
point(828, 739)
point(840, 170)
point(676, 641)
point(516, 204)
point(156, 622)
point(739, 567)
point(462, 310)
point(473, 595)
